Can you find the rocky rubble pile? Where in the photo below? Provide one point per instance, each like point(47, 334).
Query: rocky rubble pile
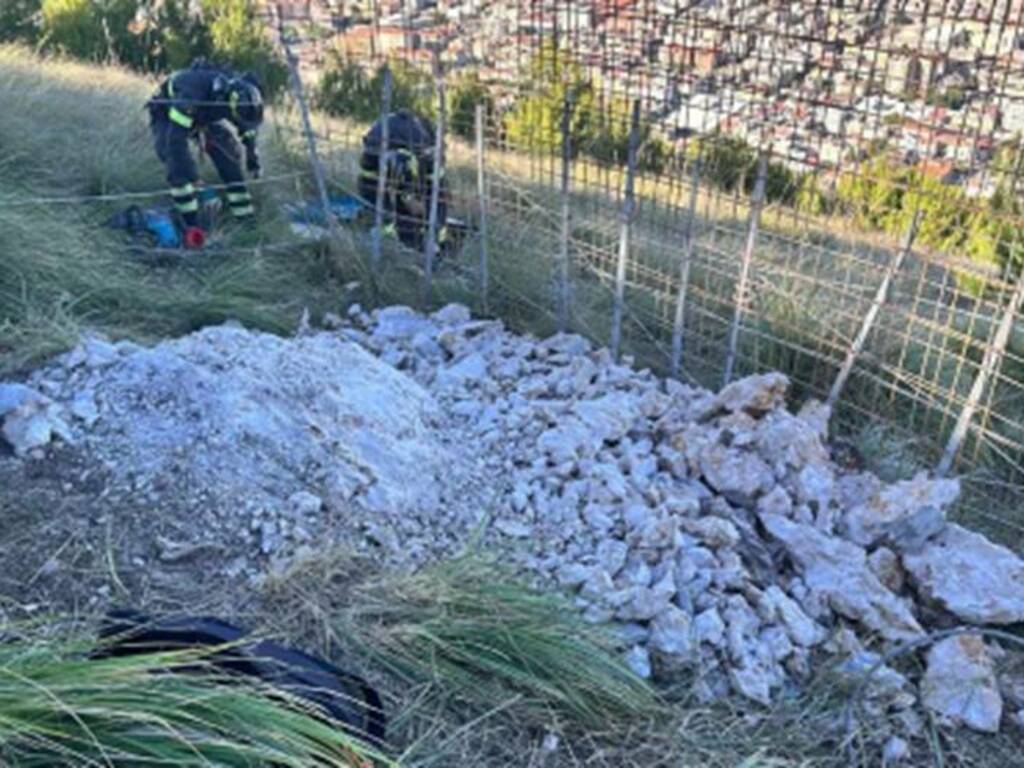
point(712, 529)
point(254, 446)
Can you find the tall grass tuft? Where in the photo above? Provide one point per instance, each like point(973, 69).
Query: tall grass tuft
point(57, 707)
point(470, 627)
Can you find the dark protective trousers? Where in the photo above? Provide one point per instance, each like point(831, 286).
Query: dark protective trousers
point(406, 197)
point(171, 143)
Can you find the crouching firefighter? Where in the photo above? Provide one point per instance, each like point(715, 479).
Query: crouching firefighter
point(199, 103)
point(409, 169)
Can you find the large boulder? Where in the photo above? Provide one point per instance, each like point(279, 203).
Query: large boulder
point(739, 476)
point(753, 395)
point(609, 418)
point(839, 571)
point(869, 522)
point(978, 581)
point(29, 419)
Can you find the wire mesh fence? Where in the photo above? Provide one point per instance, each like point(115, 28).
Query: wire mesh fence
point(829, 188)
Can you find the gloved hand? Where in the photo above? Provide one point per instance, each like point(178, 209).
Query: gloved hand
point(194, 237)
point(252, 163)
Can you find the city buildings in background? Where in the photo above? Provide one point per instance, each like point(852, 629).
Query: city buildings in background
point(819, 84)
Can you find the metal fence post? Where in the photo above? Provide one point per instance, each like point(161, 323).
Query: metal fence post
point(307, 125)
point(748, 254)
point(563, 245)
point(430, 249)
point(689, 237)
point(481, 191)
point(993, 356)
point(626, 218)
point(881, 296)
point(382, 167)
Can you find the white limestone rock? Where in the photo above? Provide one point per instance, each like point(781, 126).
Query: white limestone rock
point(960, 683)
point(868, 522)
point(754, 395)
point(800, 627)
point(672, 632)
point(971, 577)
point(739, 476)
point(838, 570)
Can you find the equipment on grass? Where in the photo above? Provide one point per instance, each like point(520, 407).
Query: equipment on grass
point(195, 237)
point(162, 226)
point(157, 223)
point(341, 696)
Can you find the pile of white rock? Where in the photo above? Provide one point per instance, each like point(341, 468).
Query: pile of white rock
point(712, 530)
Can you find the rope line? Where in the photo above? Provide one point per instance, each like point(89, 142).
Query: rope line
point(132, 195)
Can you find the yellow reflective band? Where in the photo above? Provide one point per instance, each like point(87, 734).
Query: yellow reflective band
point(240, 212)
point(187, 189)
point(442, 235)
point(367, 174)
point(239, 197)
point(190, 207)
point(179, 117)
point(249, 134)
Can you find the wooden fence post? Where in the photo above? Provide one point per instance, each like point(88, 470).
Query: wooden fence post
point(881, 296)
point(626, 223)
point(689, 236)
point(757, 203)
point(382, 167)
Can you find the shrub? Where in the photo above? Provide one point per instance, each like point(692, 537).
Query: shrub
point(347, 89)
point(154, 38)
point(19, 21)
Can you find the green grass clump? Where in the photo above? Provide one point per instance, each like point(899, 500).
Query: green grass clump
point(467, 625)
point(57, 707)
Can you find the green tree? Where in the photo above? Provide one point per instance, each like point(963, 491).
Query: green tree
point(156, 35)
point(73, 27)
point(466, 93)
point(95, 30)
point(727, 162)
point(535, 121)
point(347, 89)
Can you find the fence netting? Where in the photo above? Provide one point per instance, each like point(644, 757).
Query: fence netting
point(829, 188)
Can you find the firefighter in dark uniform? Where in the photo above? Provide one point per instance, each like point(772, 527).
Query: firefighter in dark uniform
point(409, 165)
point(199, 103)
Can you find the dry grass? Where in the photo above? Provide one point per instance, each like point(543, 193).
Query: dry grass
point(454, 649)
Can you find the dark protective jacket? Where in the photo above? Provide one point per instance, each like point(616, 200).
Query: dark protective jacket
point(410, 168)
point(193, 103)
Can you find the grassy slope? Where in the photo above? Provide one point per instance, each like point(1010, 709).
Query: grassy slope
point(70, 130)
